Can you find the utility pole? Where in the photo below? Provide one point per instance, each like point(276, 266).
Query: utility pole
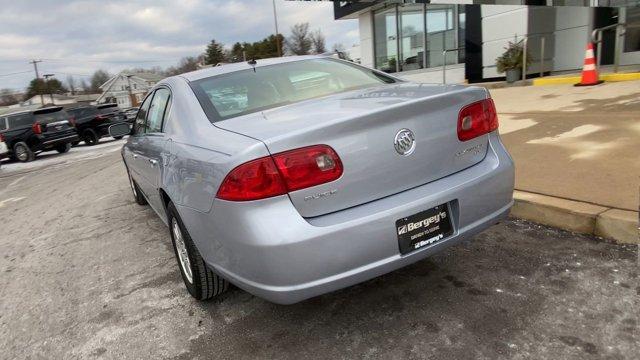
point(275, 20)
point(131, 99)
point(46, 80)
point(35, 67)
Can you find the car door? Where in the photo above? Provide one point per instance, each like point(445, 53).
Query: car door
point(132, 152)
point(152, 147)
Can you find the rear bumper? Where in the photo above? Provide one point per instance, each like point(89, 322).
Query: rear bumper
point(268, 249)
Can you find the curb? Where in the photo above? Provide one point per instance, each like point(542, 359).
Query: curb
point(618, 225)
point(610, 77)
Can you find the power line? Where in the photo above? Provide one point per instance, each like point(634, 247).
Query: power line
point(16, 73)
point(113, 61)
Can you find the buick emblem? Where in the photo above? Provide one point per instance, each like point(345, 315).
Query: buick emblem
point(405, 142)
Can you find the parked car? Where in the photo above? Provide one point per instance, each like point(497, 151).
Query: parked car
point(326, 175)
point(112, 111)
point(27, 133)
point(92, 122)
point(4, 150)
point(131, 113)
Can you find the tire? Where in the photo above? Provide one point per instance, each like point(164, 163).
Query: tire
point(118, 137)
point(63, 148)
point(90, 137)
point(75, 143)
point(23, 153)
point(137, 195)
point(201, 282)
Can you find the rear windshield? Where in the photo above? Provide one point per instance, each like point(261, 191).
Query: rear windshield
point(50, 117)
point(247, 91)
point(81, 112)
point(108, 109)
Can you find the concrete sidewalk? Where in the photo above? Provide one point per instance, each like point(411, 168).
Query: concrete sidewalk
point(577, 145)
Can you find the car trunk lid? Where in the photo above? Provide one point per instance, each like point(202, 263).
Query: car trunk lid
point(361, 126)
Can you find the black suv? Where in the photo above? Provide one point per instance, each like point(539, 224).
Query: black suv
point(92, 122)
point(29, 132)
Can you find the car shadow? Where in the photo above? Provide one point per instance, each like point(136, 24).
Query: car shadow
point(448, 296)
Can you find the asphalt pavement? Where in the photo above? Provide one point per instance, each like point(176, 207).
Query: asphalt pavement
point(86, 273)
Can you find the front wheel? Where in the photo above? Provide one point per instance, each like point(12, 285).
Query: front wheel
point(137, 195)
point(63, 148)
point(201, 282)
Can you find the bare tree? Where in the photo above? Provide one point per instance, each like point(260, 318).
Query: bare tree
point(186, 64)
point(318, 41)
point(8, 97)
point(299, 42)
point(338, 47)
point(71, 84)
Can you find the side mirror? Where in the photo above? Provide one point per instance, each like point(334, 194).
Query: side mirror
point(119, 130)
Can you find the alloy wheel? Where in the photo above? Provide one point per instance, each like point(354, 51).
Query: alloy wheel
point(181, 249)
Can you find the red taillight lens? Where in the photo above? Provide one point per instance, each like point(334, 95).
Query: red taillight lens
point(278, 174)
point(1, 137)
point(477, 119)
point(37, 128)
point(308, 166)
point(72, 121)
point(257, 179)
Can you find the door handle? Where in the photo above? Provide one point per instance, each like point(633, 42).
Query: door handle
point(153, 162)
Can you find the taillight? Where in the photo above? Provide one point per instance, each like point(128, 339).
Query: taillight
point(1, 137)
point(37, 128)
point(308, 166)
point(257, 179)
point(72, 121)
point(283, 172)
point(477, 119)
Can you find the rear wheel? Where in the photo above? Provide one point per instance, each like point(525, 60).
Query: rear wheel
point(201, 282)
point(90, 137)
point(23, 153)
point(140, 199)
point(63, 148)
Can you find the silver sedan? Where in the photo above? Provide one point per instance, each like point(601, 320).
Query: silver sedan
point(297, 176)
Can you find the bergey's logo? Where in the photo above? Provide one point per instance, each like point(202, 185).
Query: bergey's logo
point(422, 223)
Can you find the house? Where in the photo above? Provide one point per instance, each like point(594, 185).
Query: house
point(409, 37)
point(127, 88)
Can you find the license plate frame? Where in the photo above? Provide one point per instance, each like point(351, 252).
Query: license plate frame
point(424, 228)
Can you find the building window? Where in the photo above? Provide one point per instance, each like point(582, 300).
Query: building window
point(444, 30)
point(385, 38)
point(412, 37)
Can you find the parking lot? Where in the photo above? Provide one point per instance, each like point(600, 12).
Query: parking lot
point(87, 273)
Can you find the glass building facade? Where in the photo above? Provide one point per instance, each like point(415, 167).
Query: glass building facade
point(413, 36)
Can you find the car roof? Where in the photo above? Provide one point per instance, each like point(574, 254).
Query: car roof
point(228, 68)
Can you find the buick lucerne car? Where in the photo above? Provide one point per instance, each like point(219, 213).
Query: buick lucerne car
point(297, 176)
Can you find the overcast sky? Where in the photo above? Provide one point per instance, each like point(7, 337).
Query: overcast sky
point(78, 37)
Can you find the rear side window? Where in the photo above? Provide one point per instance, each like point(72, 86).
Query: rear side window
point(21, 120)
point(157, 110)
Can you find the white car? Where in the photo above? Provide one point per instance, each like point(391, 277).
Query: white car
point(4, 150)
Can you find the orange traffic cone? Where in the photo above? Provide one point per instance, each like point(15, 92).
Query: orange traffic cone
point(589, 72)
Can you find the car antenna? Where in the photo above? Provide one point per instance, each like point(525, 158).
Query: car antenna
point(253, 63)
